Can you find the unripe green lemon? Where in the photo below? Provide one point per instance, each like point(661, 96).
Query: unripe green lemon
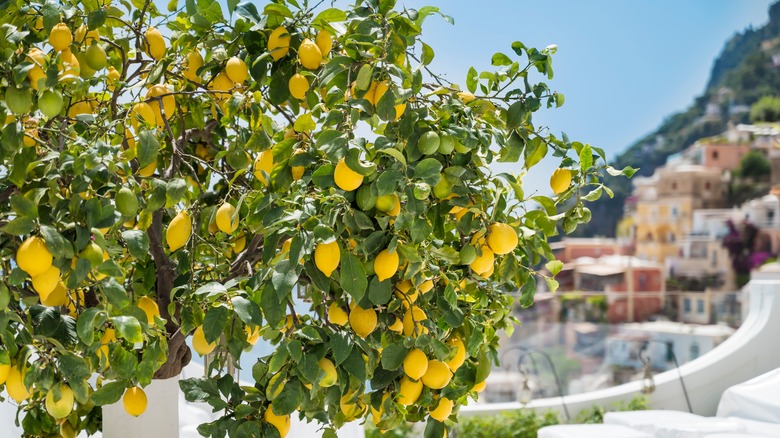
point(365, 200)
point(446, 144)
point(19, 101)
point(428, 143)
point(50, 103)
point(96, 57)
point(126, 202)
point(93, 253)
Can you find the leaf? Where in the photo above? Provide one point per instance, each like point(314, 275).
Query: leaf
point(341, 345)
point(284, 278)
point(109, 393)
point(127, 327)
point(115, 293)
point(353, 276)
point(19, 226)
point(215, 322)
point(499, 59)
point(137, 242)
point(23, 206)
point(355, 365)
point(586, 158)
point(363, 80)
point(554, 266)
point(96, 18)
point(428, 170)
point(211, 289)
point(535, 153)
point(85, 325)
point(174, 190)
point(304, 123)
point(427, 54)
point(329, 16)
point(593, 195)
point(379, 292)
point(512, 151)
point(395, 153)
point(552, 284)
point(247, 311)
point(289, 399)
point(393, 356)
point(472, 80)
point(248, 11)
point(148, 148)
point(514, 115)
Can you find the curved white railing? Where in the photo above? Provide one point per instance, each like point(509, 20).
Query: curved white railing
point(750, 352)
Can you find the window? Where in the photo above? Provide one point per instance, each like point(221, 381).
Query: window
point(674, 185)
point(687, 305)
point(675, 212)
point(700, 306)
point(694, 351)
point(714, 258)
point(707, 185)
point(715, 155)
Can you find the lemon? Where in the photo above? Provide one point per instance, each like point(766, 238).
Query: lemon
point(460, 354)
point(297, 171)
point(280, 422)
point(33, 257)
point(50, 103)
point(222, 84)
point(385, 203)
point(252, 334)
point(479, 387)
point(36, 75)
point(483, 262)
point(108, 337)
point(66, 430)
point(377, 413)
point(428, 143)
point(126, 202)
point(79, 108)
point(58, 297)
point(155, 43)
point(400, 109)
point(501, 238)
point(309, 55)
point(337, 315)
point(60, 37)
point(363, 321)
point(327, 257)
point(60, 407)
point(397, 326)
point(199, 343)
point(70, 65)
point(45, 282)
point(142, 114)
point(179, 230)
point(112, 77)
point(386, 264)
point(560, 180)
point(19, 101)
point(236, 70)
point(465, 96)
point(324, 41)
point(446, 144)
point(5, 369)
point(402, 291)
point(412, 320)
point(298, 86)
point(96, 57)
point(227, 219)
point(14, 385)
point(410, 391)
point(379, 92)
point(426, 286)
point(239, 244)
point(264, 163)
point(168, 103)
point(194, 62)
point(415, 364)
point(150, 308)
point(437, 376)
point(134, 401)
point(443, 410)
point(331, 376)
point(279, 43)
point(346, 178)
point(351, 409)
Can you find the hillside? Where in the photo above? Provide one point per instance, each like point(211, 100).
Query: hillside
point(742, 73)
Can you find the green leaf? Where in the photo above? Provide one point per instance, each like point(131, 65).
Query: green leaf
point(127, 327)
point(427, 54)
point(499, 59)
point(552, 284)
point(355, 365)
point(85, 325)
point(593, 195)
point(379, 292)
point(514, 115)
point(174, 190)
point(353, 276)
point(289, 399)
point(428, 170)
point(512, 151)
point(472, 80)
point(109, 393)
point(586, 158)
point(137, 242)
point(329, 15)
point(248, 11)
point(363, 80)
point(284, 278)
point(115, 293)
point(96, 18)
point(23, 206)
point(73, 367)
point(304, 123)
point(19, 226)
point(554, 266)
point(395, 153)
point(393, 356)
point(341, 345)
point(247, 311)
point(148, 148)
point(535, 152)
point(215, 322)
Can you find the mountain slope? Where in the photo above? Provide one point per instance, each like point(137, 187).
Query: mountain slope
point(742, 73)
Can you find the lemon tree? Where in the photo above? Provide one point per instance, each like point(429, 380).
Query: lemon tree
point(184, 171)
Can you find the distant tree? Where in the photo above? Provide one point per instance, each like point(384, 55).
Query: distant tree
point(766, 110)
point(754, 165)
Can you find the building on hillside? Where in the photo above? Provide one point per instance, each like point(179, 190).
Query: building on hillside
point(634, 288)
point(665, 203)
point(716, 153)
point(710, 307)
point(662, 341)
point(570, 249)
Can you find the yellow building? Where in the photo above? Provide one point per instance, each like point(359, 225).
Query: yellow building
point(664, 205)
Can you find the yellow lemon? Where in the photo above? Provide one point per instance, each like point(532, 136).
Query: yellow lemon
point(363, 321)
point(264, 163)
point(397, 326)
point(14, 385)
point(298, 86)
point(402, 291)
point(460, 354)
point(297, 171)
point(560, 180)
point(236, 70)
point(443, 410)
point(309, 55)
point(279, 43)
point(351, 409)
point(58, 297)
point(60, 407)
point(142, 114)
point(155, 43)
point(465, 96)
point(150, 308)
point(5, 369)
point(415, 364)
point(199, 343)
point(280, 422)
point(483, 262)
point(134, 401)
point(327, 257)
point(179, 231)
point(386, 264)
point(412, 320)
point(379, 92)
point(222, 85)
point(194, 62)
point(33, 257)
point(60, 37)
point(337, 315)
point(112, 77)
point(331, 376)
point(437, 376)
point(45, 282)
point(252, 334)
point(479, 387)
point(324, 41)
point(426, 286)
point(410, 391)
point(346, 178)
point(502, 239)
point(168, 103)
point(227, 219)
